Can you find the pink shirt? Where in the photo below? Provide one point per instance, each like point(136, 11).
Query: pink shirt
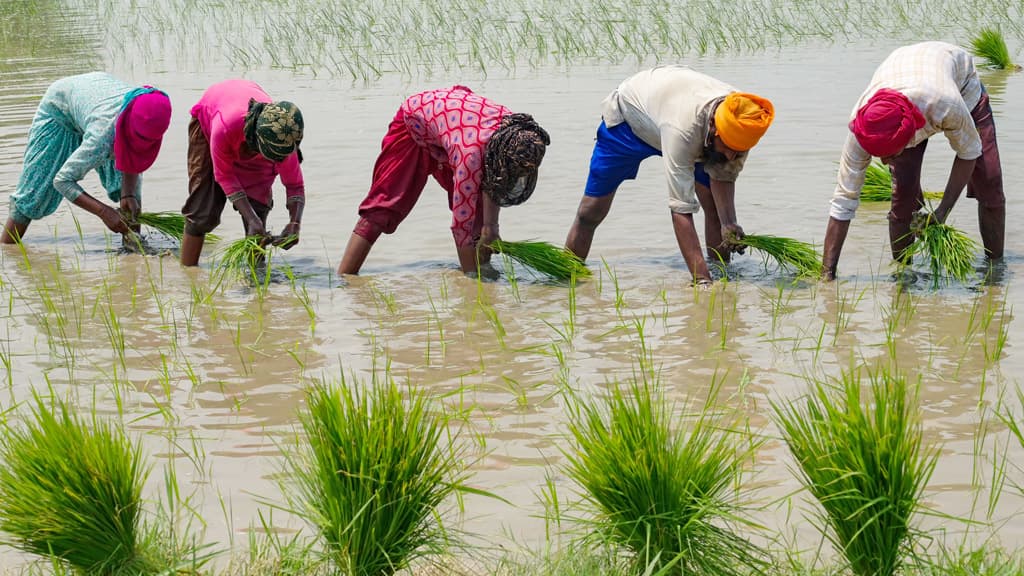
point(221, 114)
point(455, 125)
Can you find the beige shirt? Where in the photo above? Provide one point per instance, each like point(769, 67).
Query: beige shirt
point(671, 109)
point(940, 79)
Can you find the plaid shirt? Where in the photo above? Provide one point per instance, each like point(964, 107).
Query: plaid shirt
point(940, 79)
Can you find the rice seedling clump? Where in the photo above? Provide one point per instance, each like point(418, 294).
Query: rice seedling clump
point(72, 490)
point(666, 495)
point(950, 253)
point(864, 461)
point(371, 473)
point(543, 257)
point(878, 185)
point(170, 224)
point(787, 252)
point(990, 46)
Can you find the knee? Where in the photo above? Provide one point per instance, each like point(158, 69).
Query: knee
point(591, 214)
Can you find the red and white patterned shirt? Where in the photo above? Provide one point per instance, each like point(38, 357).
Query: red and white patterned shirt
point(455, 125)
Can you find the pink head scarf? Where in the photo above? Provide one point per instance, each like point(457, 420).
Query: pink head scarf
point(886, 124)
point(140, 129)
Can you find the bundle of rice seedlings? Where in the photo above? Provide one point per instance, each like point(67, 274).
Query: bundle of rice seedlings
point(71, 490)
point(878, 185)
point(170, 224)
point(950, 252)
point(543, 257)
point(990, 46)
point(866, 464)
point(787, 252)
point(667, 495)
point(373, 469)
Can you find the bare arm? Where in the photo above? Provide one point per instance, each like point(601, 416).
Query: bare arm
point(724, 194)
point(479, 253)
point(835, 236)
point(959, 176)
point(689, 246)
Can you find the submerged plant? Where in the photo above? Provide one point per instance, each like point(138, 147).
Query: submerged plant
point(665, 494)
point(878, 185)
point(72, 490)
point(787, 252)
point(950, 252)
point(544, 257)
point(865, 462)
point(371, 473)
point(990, 46)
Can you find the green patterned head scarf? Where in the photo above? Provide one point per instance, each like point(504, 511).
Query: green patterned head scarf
point(273, 129)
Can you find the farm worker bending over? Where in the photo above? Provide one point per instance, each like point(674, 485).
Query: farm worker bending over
point(88, 122)
point(239, 140)
point(702, 128)
point(918, 91)
point(481, 153)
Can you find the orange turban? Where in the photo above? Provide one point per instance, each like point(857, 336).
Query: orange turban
point(741, 119)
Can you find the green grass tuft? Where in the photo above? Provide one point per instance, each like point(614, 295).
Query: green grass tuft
point(865, 462)
point(170, 224)
point(787, 252)
point(949, 252)
point(662, 490)
point(878, 185)
point(990, 46)
point(544, 257)
point(71, 489)
point(373, 470)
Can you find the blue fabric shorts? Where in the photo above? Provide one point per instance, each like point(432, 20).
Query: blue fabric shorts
point(617, 156)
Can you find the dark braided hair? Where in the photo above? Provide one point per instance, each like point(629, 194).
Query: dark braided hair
point(514, 151)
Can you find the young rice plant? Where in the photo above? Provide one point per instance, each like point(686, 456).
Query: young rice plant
point(878, 185)
point(990, 46)
point(661, 486)
point(865, 462)
point(787, 252)
point(373, 469)
point(543, 257)
point(950, 253)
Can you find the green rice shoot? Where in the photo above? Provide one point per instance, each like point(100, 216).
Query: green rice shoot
point(247, 258)
point(878, 185)
point(990, 46)
point(371, 472)
point(788, 253)
point(170, 224)
point(865, 462)
point(543, 257)
point(950, 253)
point(662, 486)
point(72, 489)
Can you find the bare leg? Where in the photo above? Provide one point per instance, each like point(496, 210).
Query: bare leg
point(13, 232)
point(191, 248)
point(355, 254)
point(590, 214)
point(992, 223)
point(900, 238)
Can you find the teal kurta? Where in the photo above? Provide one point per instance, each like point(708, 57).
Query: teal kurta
point(71, 134)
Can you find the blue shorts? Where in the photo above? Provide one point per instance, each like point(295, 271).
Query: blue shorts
point(617, 156)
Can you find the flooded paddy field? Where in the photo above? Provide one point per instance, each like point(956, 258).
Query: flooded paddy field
point(212, 377)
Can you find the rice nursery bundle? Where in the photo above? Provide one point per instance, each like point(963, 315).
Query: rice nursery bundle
point(170, 224)
point(878, 185)
point(789, 253)
point(662, 490)
point(73, 490)
point(990, 46)
point(950, 252)
point(543, 257)
point(865, 463)
point(371, 472)
point(244, 257)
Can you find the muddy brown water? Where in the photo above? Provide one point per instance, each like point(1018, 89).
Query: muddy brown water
point(228, 371)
